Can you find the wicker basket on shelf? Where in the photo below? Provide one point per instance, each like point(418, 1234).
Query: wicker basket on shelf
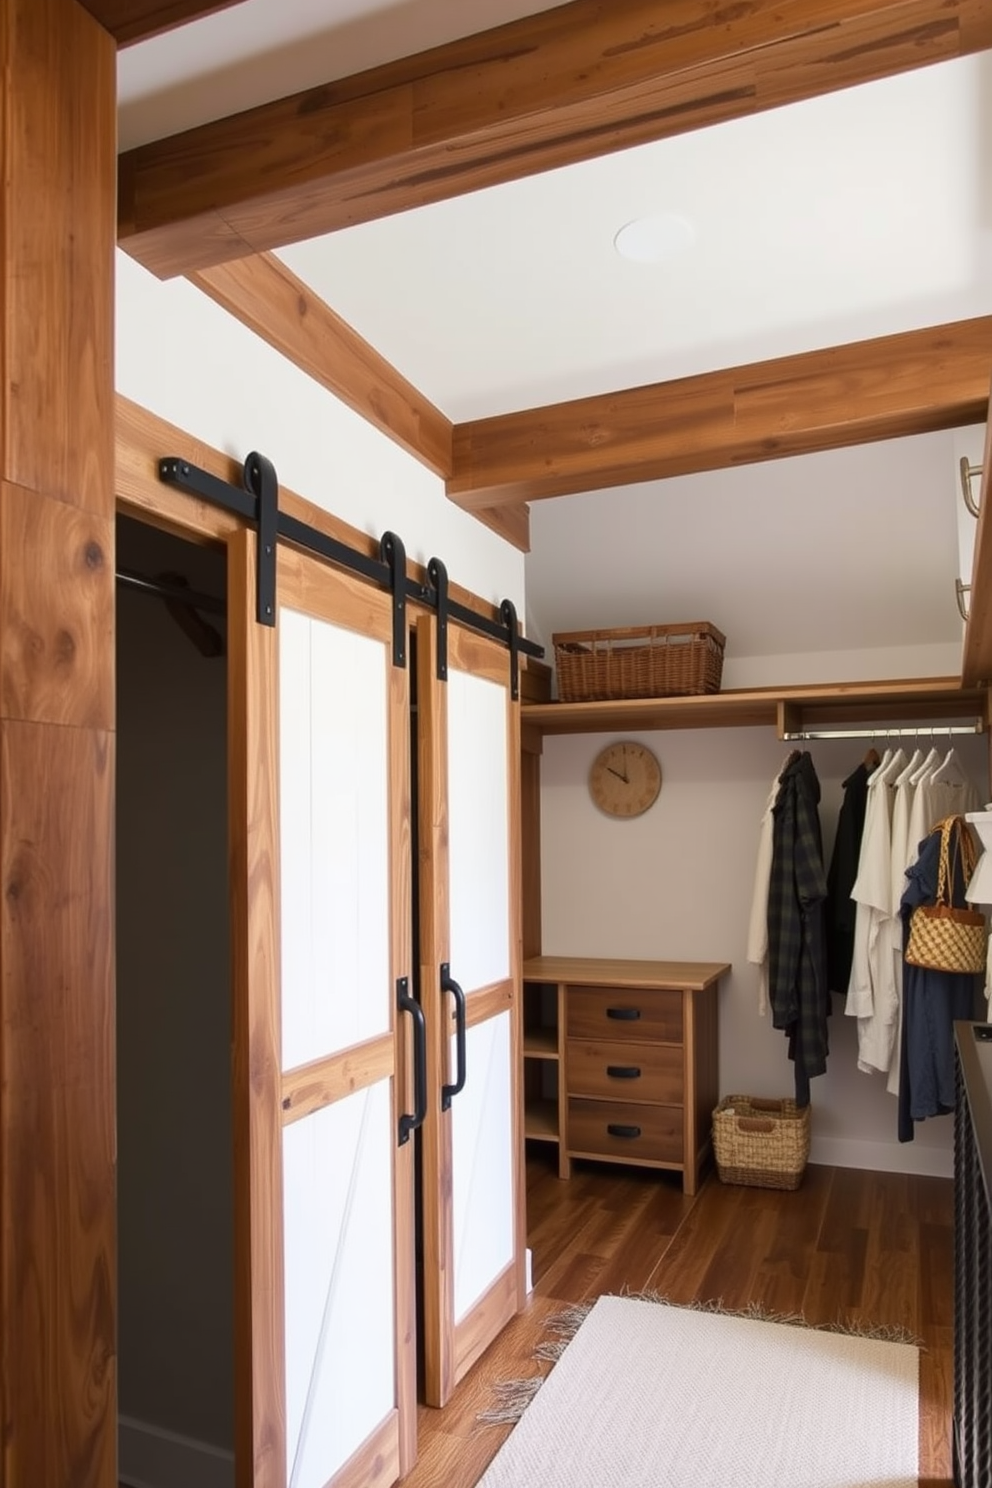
point(761, 1143)
point(640, 661)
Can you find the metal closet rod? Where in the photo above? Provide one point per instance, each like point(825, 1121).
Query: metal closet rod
point(158, 588)
point(916, 732)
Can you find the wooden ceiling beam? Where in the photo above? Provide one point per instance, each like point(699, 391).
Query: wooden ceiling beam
point(567, 84)
point(911, 383)
point(129, 21)
point(271, 301)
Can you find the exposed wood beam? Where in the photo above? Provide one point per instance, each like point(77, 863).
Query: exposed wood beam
point(271, 301)
point(911, 383)
point(268, 298)
point(129, 21)
point(977, 663)
point(58, 1112)
point(567, 84)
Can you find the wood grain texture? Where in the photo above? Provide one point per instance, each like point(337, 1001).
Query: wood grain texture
point(510, 521)
point(706, 1077)
point(344, 601)
point(129, 21)
point(58, 1128)
point(436, 1142)
point(977, 663)
point(310, 1087)
point(607, 972)
point(530, 849)
point(142, 438)
point(260, 1378)
point(58, 1263)
point(568, 84)
point(661, 1076)
point(486, 1321)
point(56, 611)
point(657, 1132)
point(910, 699)
point(376, 1464)
point(271, 301)
point(401, 964)
point(514, 827)
point(911, 383)
point(487, 1002)
point(58, 134)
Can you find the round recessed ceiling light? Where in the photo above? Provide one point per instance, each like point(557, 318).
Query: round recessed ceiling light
point(654, 239)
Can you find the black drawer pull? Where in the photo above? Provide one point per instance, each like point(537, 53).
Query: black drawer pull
point(623, 1131)
point(623, 1071)
point(624, 1015)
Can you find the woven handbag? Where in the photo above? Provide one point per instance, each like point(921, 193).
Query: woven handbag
point(941, 937)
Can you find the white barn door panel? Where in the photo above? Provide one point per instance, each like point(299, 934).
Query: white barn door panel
point(320, 814)
point(470, 986)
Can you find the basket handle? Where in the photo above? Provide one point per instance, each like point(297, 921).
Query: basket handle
point(754, 1124)
point(762, 1103)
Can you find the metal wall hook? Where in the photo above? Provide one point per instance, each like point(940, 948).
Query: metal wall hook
point(968, 473)
point(960, 590)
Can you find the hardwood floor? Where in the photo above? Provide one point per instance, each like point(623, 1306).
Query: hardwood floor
point(845, 1247)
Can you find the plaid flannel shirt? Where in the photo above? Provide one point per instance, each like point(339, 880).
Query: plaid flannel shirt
point(797, 979)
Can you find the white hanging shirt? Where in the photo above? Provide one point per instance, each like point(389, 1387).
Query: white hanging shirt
point(757, 934)
point(872, 996)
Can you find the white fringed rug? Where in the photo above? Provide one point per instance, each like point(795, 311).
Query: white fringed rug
point(654, 1396)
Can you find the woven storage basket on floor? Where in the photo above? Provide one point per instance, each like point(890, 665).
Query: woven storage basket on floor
point(640, 661)
point(763, 1143)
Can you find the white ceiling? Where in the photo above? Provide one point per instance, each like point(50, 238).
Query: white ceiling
point(848, 216)
point(852, 215)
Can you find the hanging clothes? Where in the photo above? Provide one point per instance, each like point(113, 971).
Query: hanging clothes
point(932, 1002)
point(843, 870)
point(942, 789)
point(872, 996)
point(797, 979)
point(902, 856)
point(757, 935)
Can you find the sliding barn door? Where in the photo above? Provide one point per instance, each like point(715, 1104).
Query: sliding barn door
point(319, 726)
point(474, 1237)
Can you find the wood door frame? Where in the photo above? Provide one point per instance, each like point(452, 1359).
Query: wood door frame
point(452, 1347)
point(143, 498)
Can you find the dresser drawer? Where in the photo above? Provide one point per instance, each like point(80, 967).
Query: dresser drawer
point(624, 1013)
point(627, 1071)
point(624, 1130)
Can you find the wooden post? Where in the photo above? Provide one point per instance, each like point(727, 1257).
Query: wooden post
point(57, 1105)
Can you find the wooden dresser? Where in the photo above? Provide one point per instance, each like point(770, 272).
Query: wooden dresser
point(620, 1060)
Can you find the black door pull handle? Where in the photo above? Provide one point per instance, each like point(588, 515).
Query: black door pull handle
point(623, 1071)
point(408, 1004)
point(624, 1014)
point(448, 984)
point(623, 1131)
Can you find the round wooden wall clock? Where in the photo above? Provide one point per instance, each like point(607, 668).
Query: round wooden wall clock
point(625, 779)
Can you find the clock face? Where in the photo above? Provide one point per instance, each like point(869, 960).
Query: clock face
point(625, 779)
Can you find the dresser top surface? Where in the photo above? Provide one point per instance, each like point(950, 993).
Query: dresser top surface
point(593, 971)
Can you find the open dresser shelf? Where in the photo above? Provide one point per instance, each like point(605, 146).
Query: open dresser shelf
point(620, 1060)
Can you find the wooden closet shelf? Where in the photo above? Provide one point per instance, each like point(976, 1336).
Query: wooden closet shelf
point(923, 700)
point(541, 1121)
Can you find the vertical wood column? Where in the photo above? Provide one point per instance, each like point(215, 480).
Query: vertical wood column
point(57, 1098)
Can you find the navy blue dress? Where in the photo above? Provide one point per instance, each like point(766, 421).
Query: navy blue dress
point(932, 1002)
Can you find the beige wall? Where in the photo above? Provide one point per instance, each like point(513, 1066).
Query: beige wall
point(677, 883)
point(174, 1131)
